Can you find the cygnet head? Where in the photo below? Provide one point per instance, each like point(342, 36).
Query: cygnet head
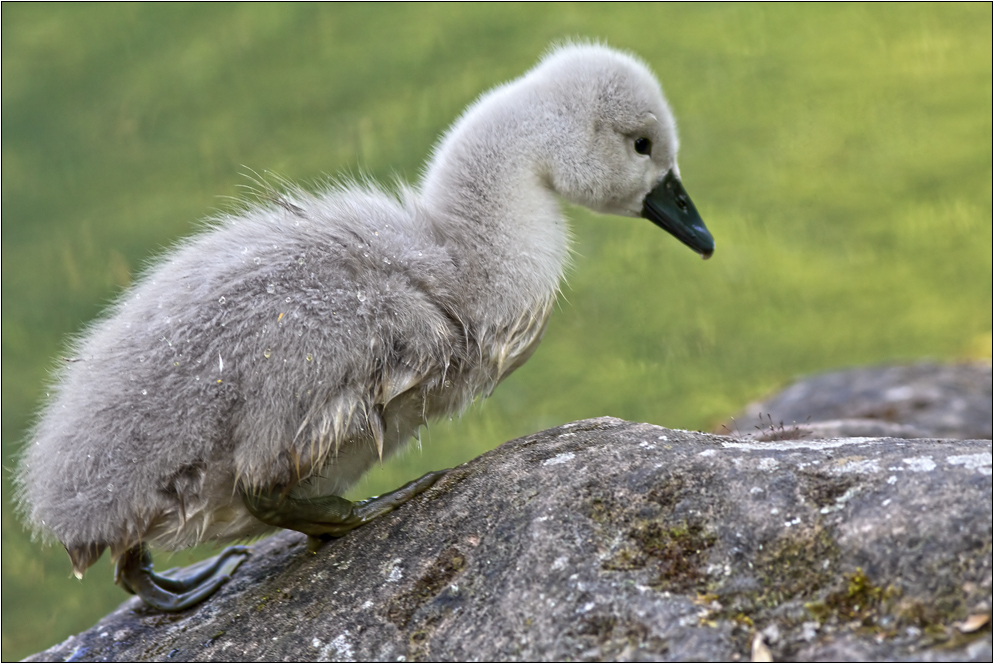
point(592, 124)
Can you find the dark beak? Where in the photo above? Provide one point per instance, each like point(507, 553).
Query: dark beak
point(669, 207)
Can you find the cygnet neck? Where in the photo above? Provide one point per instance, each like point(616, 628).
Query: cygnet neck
point(486, 191)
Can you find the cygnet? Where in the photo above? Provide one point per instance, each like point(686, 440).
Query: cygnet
point(259, 368)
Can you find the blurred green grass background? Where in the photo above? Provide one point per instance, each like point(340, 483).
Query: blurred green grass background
point(840, 154)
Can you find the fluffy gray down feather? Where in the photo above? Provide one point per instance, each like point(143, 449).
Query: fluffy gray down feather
point(292, 344)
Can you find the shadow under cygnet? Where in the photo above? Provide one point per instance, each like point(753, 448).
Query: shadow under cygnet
point(258, 369)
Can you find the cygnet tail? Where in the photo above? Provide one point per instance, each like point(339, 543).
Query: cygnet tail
point(83, 556)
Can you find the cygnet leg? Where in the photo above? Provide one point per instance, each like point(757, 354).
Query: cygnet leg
point(175, 593)
point(331, 516)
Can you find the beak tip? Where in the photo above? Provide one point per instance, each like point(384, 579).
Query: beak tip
point(703, 243)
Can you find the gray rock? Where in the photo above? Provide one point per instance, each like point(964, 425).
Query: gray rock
point(916, 401)
point(605, 539)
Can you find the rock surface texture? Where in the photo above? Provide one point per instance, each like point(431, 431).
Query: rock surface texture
point(924, 400)
point(610, 540)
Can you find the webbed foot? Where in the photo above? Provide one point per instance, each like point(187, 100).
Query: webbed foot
point(331, 516)
point(176, 592)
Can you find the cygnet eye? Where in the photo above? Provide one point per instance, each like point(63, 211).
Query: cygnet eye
point(643, 146)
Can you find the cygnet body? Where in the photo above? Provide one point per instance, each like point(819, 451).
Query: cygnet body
point(293, 344)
